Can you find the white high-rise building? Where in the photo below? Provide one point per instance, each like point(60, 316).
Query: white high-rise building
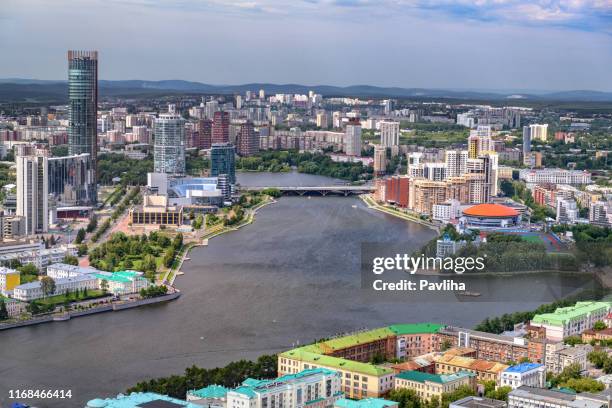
point(456, 162)
point(211, 108)
point(434, 171)
point(352, 138)
point(169, 147)
point(33, 192)
point(389, 133)
point(539, 132)
point(380, 160)
point(567, 210)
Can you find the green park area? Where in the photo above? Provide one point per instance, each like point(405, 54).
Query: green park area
point(71, 297)
point(146, 253)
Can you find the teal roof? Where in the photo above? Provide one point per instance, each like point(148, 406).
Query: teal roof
point(136, 399)
point(421, 377)
point(121, 276)
point(212, 391)
point(364, 403)
point(245, 390)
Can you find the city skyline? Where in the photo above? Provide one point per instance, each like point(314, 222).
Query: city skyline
point(541, 45)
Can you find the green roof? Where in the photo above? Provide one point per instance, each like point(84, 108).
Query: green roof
point(415, 328)
point(562, 315)
point(364, 403)
point(422, 377)
point(358, 338)
point(317, 353)
point(245, 390)
point(335, 362)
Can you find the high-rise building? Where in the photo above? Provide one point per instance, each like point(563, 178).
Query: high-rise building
point(352, 139)
point(220, 127)
point(247, 141)
point(71, 180)
point(238, 101)
point(527, 146)
point(380, 160)
point(567, 210)
point(169, 146)
point(322, 120)
point(262, 94)
point(539, 132)
point(83, 107)
point(456, 162)
point(33, 192)
point(211, 108)
point(389, 133)
point(223, 161)
point(204, 128)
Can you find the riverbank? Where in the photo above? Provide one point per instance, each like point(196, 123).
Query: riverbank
point(108, 307)
point(371, 203)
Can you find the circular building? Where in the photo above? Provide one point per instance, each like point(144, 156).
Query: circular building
point(491, 216)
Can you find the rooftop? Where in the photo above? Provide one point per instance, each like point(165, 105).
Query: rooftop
point(212, 391)
point(563, 315)
point(422, 377)
point(490, 210)
point(522, 368)
point(364, 403)
point(471, 363)
point(140, 400)
point(306, 354)
point(478, 402)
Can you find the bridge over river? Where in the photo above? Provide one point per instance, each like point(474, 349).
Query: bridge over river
point(342, 190)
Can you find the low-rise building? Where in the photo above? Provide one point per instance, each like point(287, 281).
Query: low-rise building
point(589, 335)
point(123, 282)
point(572, 320)
point(428, 386)
point(14, 307)
point(531, 397)
point(213, 396)
point(488, 346)
point(477, 402)
point(483, 369)
point(33, 290)
point(9, 279)
point(61, 270)
point(529, 374)
point(560, 356)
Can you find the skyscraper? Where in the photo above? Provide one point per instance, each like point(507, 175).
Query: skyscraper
point(169, 147)
point(33, 192)
point(220, 127)
point(527, 146)
point(352, 138)
point(456, 162)
point(204, 128)
point(247, 141)
point(389, 133)
point(83, 107)
point(223, 161)
point(380, 160)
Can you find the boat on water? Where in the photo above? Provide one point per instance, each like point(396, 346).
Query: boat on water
point(468, 293)
point(187, 259)
point(354, 206)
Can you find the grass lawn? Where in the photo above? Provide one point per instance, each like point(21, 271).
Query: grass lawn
point(534, 239)
point(60, 299)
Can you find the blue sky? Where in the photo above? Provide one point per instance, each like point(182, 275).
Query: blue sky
point(481, 44)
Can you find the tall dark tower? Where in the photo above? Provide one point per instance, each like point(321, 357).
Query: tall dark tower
point(83, 96)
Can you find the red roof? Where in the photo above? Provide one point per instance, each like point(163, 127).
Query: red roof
point(490, 210)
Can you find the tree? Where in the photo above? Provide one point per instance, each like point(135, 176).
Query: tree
point(104, 285)
point(599, 325)
point(405, 397)
point(80, 236)
point(572, 340)
point(71, 260)
point(47, 285)
point(446, 344)
point(499, 394)
point(3, 312)
point(597, 358)
point(93, 223)
point(82, 250)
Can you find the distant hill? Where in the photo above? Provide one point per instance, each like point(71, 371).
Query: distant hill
point(20, 90)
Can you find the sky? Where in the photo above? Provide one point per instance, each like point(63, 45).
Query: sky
point(456, 44)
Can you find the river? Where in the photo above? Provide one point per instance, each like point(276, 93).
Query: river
point(293, 275)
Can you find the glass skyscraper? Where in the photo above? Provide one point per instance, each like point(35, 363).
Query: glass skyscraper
point(223, 161)
point(83, 100)
point(169, 147)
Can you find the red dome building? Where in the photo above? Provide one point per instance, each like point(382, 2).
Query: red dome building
point(491, 215)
